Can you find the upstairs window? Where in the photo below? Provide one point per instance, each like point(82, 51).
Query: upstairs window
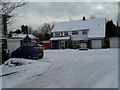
point(74, 32)
point(57, 34)
point(84, 32)
point(61, 34)
point(65, 33)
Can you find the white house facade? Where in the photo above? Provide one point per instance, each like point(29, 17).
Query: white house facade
point(71, 34)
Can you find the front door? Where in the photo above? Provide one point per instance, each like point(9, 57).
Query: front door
point(66, 44)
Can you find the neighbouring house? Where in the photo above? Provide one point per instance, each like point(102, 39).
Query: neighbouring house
point(113, 35)
point(17, 40)
point(115, 40)
point(71, 34)
point(33, 38)
point(13, 43)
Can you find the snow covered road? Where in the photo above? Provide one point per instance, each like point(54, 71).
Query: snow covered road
point(76, 69)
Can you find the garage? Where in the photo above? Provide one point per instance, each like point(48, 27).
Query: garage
point(55, 44)
point(13, 44)
point(96, 44)
point(114, 42)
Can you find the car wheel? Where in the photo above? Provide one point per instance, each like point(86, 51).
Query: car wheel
point(41, 57)
point(12, 56)
point(29, 57)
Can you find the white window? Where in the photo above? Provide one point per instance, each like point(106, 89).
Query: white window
point(74, 32)
point(61, 34)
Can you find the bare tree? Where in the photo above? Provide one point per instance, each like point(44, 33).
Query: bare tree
point(7, 8)
point(44, 32)
point(30, 30)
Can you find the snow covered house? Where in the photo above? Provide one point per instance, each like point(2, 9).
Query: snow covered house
point(33, 38)
point(71, 34)
point(16, 40)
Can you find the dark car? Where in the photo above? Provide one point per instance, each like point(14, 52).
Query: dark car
point(29, 52)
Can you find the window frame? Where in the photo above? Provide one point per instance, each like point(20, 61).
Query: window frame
point(84, 32)
point(61, 33)
point(74, 32)
point(66, 33)
point(57, 34)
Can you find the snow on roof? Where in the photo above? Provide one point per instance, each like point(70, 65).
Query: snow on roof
point(23, 36)
point(60, 38)
point(96, 26)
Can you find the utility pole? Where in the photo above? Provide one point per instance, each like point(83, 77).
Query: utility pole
point(4, 30)
point(4, 23)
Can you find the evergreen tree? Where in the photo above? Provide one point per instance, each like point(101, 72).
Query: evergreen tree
point(111, 29)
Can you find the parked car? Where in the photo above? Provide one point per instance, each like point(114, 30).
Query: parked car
point(83, 46)
point(29, 52)
point(42, 47)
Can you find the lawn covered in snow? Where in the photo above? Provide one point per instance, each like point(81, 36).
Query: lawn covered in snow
point(95, 68)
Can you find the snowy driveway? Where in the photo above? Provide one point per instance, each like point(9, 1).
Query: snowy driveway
point(76, 69)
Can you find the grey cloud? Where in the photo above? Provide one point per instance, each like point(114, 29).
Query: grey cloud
point(61, 9)
point(43, 12)
point(57, 9)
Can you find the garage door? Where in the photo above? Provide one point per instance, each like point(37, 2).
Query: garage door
point(55, 44)
point(96, 44)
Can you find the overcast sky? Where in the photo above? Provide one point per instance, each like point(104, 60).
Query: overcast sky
point(35, 14)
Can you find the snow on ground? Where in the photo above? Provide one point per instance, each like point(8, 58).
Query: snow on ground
point(95, 68)
point(29, 69)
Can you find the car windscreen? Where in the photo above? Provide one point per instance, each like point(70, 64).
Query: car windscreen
point(83, 44)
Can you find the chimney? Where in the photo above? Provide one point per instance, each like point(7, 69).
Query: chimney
point(84, 18)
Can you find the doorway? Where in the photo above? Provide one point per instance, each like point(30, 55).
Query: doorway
point(64, 44)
